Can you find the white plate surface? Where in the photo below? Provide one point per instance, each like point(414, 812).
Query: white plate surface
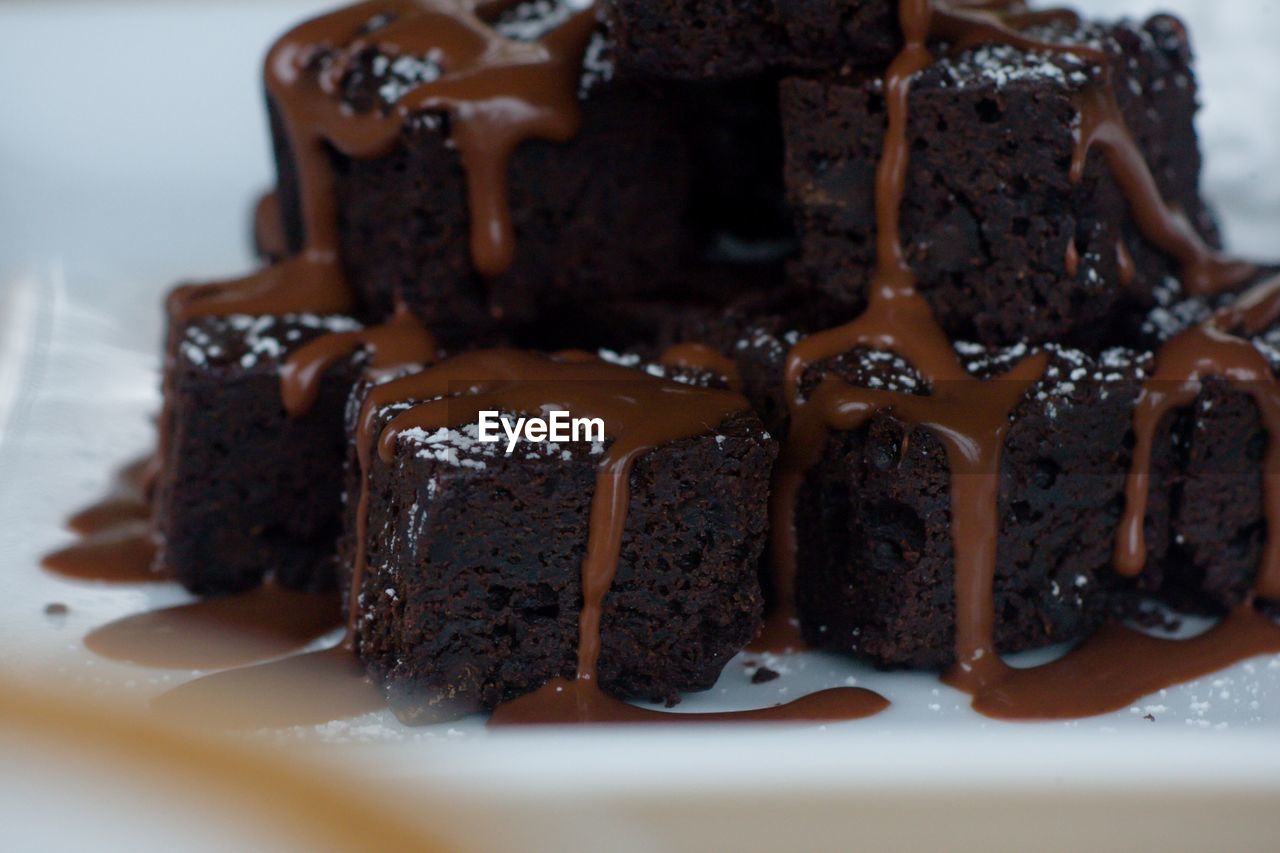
point(116, 181)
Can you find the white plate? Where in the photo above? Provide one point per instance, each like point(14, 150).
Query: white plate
point(130, 149)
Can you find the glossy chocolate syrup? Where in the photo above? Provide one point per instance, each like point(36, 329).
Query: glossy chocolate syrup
point(1204, 271)
point(969, 416)
point(268, 228)
point(400, 342)
point(261, 624)
point(123, 553)
point(300, 690)
point(1072, 260)
point(115, 544)
point(1124, 265)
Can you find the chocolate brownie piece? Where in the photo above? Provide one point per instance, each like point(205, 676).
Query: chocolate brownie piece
point(718, 39)
point(472, 588)
point(1220, 526)
point(246, 490)
point(619, 211)
point(991, 220)
point(873, 518)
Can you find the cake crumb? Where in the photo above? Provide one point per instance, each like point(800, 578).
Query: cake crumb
point(764, 675)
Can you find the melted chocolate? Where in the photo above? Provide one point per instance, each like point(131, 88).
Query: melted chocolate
point(1204, 271)
point(1072, 260)
point(301, 690)
point(1118, 666)
point(563, 702)
point(402, 341)
point(116, 545)
point(126, 501)
point(220, 632)
point(268, 227)
point(122, 553)
point(969, 416)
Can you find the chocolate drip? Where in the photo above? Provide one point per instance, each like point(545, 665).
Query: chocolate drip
point(123, 553)
point(116, 544)
point(400, 342)
point(563, 702)
point(1204, 271)
point(1124, 264)
point(1072, 260)
point(1118, 666)
point(1183, 363)
point(301, 690)
point(127, 500)
point(219, 632)
point(268, 228)
point(969, 416)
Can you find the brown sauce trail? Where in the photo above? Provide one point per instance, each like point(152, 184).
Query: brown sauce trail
point(1204, 271)
point(399, 342)
point(1117, 666)
point(1072, 260)
point(301, 690)
point(268, 228)
point(122, 553)
point(127, 500)
point(565, 702)
point(1124, 265)
point(213, 633)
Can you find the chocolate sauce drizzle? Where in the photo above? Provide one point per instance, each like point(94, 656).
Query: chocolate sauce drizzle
point(116, 545)
point(266, 622)
point(970, 416)
point(400, 342)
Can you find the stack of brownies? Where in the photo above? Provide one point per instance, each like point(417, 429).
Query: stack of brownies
point(684, 191)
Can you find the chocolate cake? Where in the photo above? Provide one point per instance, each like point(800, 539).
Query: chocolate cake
point(619, 193)
point(718, 39)
point(1016, 234)
point(249, 491)
point(471, 589)
point(1015, 385)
